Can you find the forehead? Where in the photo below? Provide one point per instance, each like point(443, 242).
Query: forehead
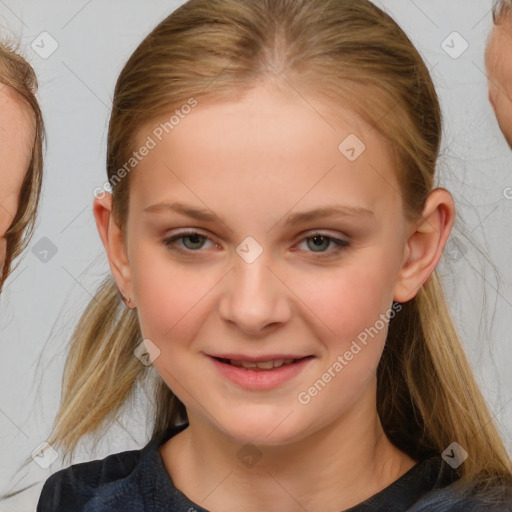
point(267, 147)
point(15, 114)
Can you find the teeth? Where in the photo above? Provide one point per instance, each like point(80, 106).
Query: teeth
point(265, 365)
point(262, 365)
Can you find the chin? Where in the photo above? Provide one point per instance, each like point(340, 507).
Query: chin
point(262, 428)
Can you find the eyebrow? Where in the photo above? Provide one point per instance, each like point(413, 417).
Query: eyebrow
point(295, 218)
point(183, 209)
point(328, 211)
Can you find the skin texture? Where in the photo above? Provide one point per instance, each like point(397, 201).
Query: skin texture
point(274, 156)
point(498, 61)
point(16, 135)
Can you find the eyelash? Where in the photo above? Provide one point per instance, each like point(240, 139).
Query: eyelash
point(340, 244)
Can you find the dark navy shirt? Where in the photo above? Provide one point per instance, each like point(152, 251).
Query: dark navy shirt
point(137, 480)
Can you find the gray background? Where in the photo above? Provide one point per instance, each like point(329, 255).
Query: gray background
point(42, 300)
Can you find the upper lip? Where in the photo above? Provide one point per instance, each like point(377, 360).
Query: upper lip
point(257, 359)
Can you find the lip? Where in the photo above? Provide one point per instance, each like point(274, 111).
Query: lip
point(260, 380)
point(257, 359)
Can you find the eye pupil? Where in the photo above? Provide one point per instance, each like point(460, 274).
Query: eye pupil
point(320, 240)
point(195, 238)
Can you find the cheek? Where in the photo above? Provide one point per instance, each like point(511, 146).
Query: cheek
point(168, 293)
point(354, 302)
point(505, 115)
point(6, 218)
point(348, 300)
point(8, 209)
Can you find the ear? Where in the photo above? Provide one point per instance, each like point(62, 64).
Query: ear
point(425, 244)
point(112, 237)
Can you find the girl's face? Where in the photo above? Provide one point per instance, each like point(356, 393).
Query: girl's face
point(263, 230)
point(16, 134)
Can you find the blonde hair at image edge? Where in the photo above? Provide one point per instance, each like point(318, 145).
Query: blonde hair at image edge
point(501, 9)
point(17, 73)
point(427, 394)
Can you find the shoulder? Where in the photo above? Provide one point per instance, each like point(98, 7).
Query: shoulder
point(450, 494)
point(70, 489)
point(448, 500)
point(433, 486)
point(123, 481)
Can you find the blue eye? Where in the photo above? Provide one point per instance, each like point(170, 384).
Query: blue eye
point(323, 241)
point(193, 241)
point(196, 241)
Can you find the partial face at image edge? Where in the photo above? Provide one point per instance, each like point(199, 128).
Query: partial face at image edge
point(17, 135)
point(498, 60)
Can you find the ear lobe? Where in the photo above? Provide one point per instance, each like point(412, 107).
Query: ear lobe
point(113, 242)
point(425, 244)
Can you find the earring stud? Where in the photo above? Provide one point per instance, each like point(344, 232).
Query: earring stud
point(125, 299)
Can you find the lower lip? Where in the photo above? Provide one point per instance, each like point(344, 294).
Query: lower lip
point(265, 379)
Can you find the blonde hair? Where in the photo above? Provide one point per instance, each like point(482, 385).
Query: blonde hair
point(501, 10)
point(17, 73)
point(353, 54)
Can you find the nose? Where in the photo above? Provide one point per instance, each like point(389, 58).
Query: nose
point(255, 298)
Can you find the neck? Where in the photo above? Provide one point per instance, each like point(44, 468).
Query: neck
point(333, 468)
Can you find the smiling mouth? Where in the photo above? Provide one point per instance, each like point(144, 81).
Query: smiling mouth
point(260, 366)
